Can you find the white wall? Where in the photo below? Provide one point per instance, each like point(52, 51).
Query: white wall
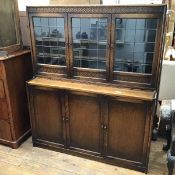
point(167, 82)
point(110, 2)
point(23, 3)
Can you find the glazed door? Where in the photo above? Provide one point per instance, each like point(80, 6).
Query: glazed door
point(84, 133)
point(128, 131)
point(49, 41)
point(89, 42)
point(134, 58)
point(47, 115)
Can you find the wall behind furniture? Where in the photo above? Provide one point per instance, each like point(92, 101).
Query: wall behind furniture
point(167, 83)
point(74, 2)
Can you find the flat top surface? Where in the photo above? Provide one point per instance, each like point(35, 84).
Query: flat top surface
point(93, 88)
point(14, 54)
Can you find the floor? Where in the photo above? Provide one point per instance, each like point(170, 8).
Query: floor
point(28, 160)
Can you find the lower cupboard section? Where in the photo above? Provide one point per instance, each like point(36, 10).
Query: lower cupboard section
point(108, 129)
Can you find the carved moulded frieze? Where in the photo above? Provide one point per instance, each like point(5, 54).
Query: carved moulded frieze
point(54, 70)
point(97, 9)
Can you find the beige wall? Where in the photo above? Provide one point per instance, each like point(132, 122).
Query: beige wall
point(74, 2)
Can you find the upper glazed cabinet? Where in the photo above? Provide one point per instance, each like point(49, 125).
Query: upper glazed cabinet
point(110, 44)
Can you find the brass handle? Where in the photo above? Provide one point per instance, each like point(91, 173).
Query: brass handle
point(104, 127)
point(65, 119)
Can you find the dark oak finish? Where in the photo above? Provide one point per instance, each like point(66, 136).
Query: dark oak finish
point(48, 103)
point(15, 124)
point(97, 70)
point(87, 119)
point(88, 123)
point(145, 51)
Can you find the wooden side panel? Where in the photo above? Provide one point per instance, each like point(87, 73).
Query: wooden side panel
point(5, 132)
point(84, 120)
point(3, 110)
point(3, 103)
point(48, 116)
point(126, 130)
point(1, 70)
point(2, 90)
point(18, 70)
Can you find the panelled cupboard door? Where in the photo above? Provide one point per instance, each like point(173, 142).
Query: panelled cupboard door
point(126, 130)
point(89, 40)
point(47, 120)
point(84, 123)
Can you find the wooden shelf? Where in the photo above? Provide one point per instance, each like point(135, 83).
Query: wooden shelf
point(92, 88)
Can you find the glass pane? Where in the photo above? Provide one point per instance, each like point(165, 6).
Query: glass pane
point(135, 43)
point(93, 33)
point(75, 22)
point(152, 23)
point(120, 35)
point(121, 23)
point(129, 35)
point(37, 31)
point(36, 21)
point(151, 35)
point(149, 47)
point(147, 68)
point(138, 57)
point(139, 36)
point(141, 24)
point(89, 42)
point(130, 23)
point(45, 32)
point(60, 22)
point(45, 21)
point(52, 22)
point(148, 58)
point(102, 34)
point(40, 59)
point(50, 40)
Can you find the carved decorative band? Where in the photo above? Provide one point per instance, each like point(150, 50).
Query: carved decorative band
point(54, 70)
point(137, 79)
point(89, 74)
point(98, 9)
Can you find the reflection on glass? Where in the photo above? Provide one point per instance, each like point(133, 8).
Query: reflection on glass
point(135, 44)
point(89, 42)
point(50, 40)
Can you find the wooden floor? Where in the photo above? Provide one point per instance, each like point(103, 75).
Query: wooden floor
point(28, 160)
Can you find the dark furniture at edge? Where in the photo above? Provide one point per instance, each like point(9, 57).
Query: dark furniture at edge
point(15, 70)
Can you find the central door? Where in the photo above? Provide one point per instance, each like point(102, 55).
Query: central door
point(84, 123)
